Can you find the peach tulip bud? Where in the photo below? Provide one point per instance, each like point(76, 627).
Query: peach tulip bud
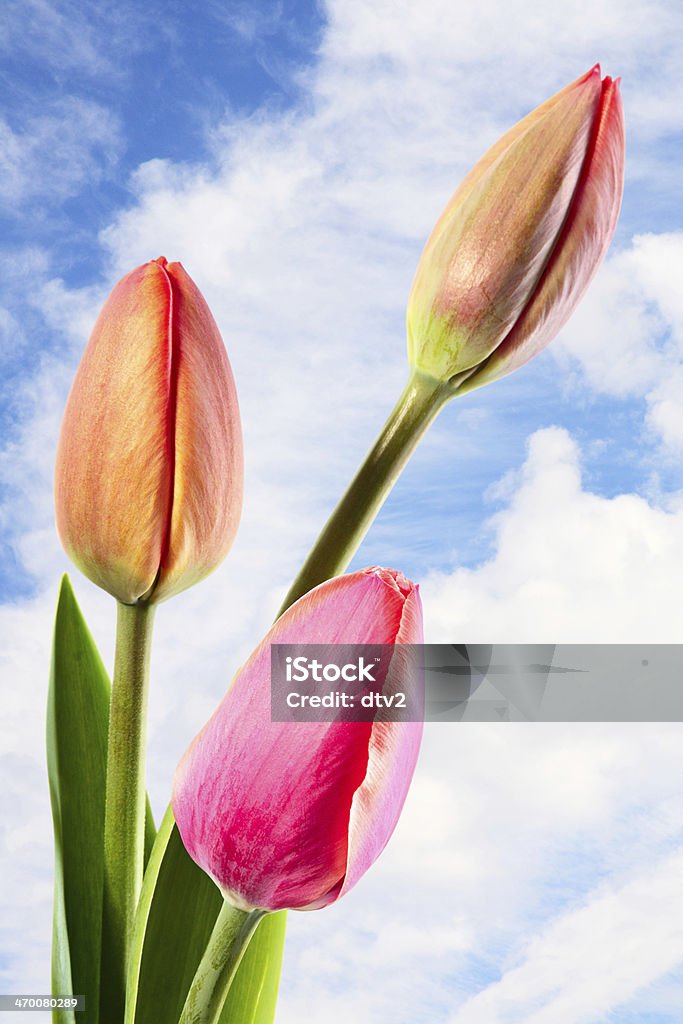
point(148, 482)
point(519, 242)
point(292, 814)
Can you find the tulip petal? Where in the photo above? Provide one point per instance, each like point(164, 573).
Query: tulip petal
point(392, 756)
point(580, 249)
point(264, 807)
point(470, 180)
point(207, 444)
point(113, 484)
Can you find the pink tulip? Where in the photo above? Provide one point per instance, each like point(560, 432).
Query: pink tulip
point(148, 483)
point(292, 814)
point(520, 240)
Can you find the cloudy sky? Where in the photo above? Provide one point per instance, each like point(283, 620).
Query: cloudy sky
point(294, 156)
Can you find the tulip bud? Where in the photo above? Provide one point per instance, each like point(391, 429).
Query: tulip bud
point(148, 479)
point(519, 242)
point(292, 814)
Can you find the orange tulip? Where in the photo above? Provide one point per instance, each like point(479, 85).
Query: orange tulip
point(520, 240)
point(149, 468)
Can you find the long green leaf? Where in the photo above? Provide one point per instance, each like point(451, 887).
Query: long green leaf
point(253, 993)
point(77, 727)
point(177, 912)
point(77, 717)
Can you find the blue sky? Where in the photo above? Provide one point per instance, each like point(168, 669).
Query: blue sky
point(294, 157)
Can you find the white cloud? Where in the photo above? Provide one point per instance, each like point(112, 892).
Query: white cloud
point(569, 566)
point(593, 959)
point(627, 335)
point(12, 337)
point(25, 833)
point(65, 36)
point(613, 334)
point(666, 408)
point(56, 151)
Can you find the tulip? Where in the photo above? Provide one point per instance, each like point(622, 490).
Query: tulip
point(503, 269)
point(149, 464)
point(506, 264)
point(520, 240)
point(291, 814)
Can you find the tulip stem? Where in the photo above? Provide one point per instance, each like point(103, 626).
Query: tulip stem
point(421, 400)
point(125, 803)
point(218, 966)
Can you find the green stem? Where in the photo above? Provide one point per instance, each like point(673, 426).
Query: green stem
point(421, 400)
point(218, 966)
point(124, 815)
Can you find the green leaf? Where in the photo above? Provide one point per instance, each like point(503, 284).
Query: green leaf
point(77, 717)
point(176, 915)
point(77, 727)
point(253, 993)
